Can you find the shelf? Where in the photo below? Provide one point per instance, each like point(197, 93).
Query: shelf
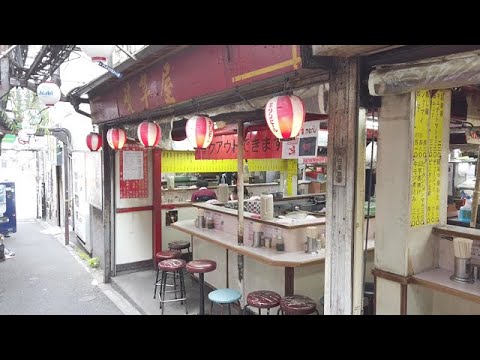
point(456, 231)
point(439, 279)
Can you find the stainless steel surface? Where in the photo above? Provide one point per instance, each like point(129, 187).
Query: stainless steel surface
point(463, 271)
point(312, 245)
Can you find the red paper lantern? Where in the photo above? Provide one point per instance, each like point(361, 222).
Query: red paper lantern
point(285, 116)
point(94, 141)
point(199, 131)
point(149, 133)
point(116, 138)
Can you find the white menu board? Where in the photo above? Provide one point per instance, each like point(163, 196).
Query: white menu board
point(133, 165)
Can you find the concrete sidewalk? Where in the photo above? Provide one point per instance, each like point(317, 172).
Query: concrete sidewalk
point(47, 277)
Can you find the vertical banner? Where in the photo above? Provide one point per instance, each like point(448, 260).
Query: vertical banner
point(133, 172)
point(427, 152)
point(434, 157)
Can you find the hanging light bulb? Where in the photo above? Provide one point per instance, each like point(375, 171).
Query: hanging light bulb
point(49, 93)
point(98, 52)
point(199, 131)
point(285, 116)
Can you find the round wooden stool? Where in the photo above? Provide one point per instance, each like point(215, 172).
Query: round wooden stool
point(201, 267)
point(262, 299)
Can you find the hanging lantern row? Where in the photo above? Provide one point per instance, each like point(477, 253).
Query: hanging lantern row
point(116, 138)
point(149, 133)
point(98, 53)
point(49, 93)
point(199, 131)
point(94, 141)
point(285, 116)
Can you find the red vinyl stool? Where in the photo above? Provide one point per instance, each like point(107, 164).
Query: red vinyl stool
point(297, 305)
point(175, 268)
point(201, 267)
point(160, 256)
point(262, 299)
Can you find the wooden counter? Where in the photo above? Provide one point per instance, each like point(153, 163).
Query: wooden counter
point(281, 223)
point(265, 255)
point(439, 279)
point(450, 231)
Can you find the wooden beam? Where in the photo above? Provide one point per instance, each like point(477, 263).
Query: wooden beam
point(108, 162)
point(342, 130)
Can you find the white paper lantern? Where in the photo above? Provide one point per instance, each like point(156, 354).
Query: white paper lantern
point(49, 93)
point(98, 53)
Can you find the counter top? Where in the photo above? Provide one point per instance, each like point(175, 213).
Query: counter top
point(439, 279)
point(457, 231)
point(282, 223)
point(216, 186)
point(265, 255)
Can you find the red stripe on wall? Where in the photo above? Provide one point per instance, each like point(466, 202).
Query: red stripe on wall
point(133, 209)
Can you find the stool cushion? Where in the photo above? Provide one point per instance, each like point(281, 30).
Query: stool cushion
point(224, 296)
point(263, 299)
point(178, 245)
point(169, 254)
point(201, 266)
point(297, 305)
point(171, 264)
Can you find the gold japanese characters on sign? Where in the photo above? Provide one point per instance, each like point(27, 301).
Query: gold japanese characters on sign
point(427, 152)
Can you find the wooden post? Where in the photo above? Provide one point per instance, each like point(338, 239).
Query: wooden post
point(476, 192)
point(240, 259)
point(157, 202)
point(107, 177)
point(341, 175)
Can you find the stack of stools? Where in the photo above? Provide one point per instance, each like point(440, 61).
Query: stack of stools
point(262, 299)
point(179, 246)
point(297, 305)
point(201, 267)
point(175, 268)
point(224, 297)
point(160, 256)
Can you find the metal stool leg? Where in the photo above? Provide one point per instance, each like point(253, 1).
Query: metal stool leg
point(229, 310)
point(245, 309)
point(202, 300)
point(268, 311)
point(184, 291)
point(316, 310)
point(175, 283)
point(259, 311)
point(211, 307)
point(156, 281)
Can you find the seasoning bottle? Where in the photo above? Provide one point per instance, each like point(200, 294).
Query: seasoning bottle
point(210, 223)
point(279, 244)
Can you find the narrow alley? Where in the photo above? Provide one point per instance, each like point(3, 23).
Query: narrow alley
point(44, 278)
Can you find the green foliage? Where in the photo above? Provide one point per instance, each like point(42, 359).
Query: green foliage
point(25, 107)
point(94, 262)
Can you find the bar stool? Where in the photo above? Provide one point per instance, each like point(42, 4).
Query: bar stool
point(297, 305)
point(224, 297)
point(262, 299)
point(160, 256)
point(179, 246)
point(200, 267)
point(174, 267)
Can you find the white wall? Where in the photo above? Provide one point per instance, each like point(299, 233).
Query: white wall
point(133, 230)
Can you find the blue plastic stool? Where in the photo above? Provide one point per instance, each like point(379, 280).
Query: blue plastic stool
point(224, 297)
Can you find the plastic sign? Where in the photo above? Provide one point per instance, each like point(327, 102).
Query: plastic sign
point(199, 131)
point(49, 93)
point(149, 133)
point(285, 116)
point(94, 141)
point(116, 138)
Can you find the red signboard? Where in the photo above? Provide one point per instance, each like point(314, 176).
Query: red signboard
point(192, 73)
point(133, 172)
point(257, 145)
